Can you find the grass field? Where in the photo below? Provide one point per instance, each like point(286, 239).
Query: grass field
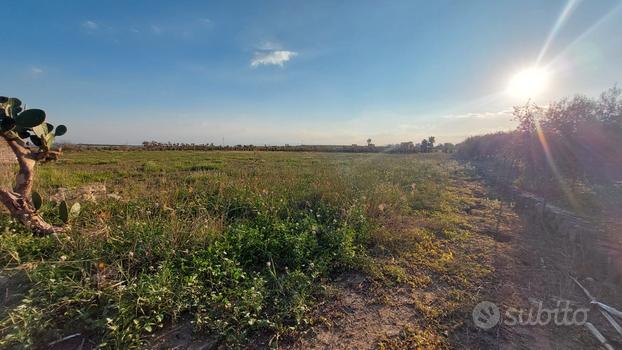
point(242, 244)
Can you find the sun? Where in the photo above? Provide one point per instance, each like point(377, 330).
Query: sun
point(528, 83)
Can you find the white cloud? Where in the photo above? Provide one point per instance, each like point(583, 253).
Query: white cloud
point(481, 115)
point(36, 70)
point(156, 29)
point(278, 57)
point(90, 25)
point(270, 46)
point(457, 127)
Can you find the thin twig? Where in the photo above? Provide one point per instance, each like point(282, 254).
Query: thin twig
point(598, 335)
point(608, 308)
point(605, 310)
point(65, 338)
point(612, 321)
point(589, 296)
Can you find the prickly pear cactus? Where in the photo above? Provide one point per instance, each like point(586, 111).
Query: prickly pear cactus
point(28, 125)
point(21, 129)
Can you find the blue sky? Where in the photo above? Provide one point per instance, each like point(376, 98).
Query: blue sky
point(275, 72)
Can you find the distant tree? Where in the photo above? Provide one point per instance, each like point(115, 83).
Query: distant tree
point(556, 147)
point(448, 147)
point(368, 142)
point(425, 146)
point(431, 141)
point(526, 116)
point(609, 108)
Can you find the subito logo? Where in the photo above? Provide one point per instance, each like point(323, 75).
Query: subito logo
point(486, 315)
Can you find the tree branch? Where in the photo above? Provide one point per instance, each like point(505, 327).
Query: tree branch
point(24, 178)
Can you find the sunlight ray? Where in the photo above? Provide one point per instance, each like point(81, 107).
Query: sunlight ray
point(566, 12)
point(583, 35)
point(548, 154)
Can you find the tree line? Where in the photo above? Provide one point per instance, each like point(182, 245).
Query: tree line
point(426, 146)
point(559, 148)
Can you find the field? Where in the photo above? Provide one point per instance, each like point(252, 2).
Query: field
point(248, 248)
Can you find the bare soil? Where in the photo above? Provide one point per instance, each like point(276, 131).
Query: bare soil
point(531, 266)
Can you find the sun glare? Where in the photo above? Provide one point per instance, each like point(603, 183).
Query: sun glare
point(528, 83)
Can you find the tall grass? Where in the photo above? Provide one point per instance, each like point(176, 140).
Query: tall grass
point(237, 242)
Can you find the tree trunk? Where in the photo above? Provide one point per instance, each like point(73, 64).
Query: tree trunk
point(18, 201)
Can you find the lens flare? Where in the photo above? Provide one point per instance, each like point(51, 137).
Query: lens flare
point(528, 83)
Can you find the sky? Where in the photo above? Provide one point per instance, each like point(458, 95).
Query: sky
point(292, 72)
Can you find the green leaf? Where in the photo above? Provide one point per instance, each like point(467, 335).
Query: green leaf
point(36, 200)
point(14, 101)
point(60, 130)
point(30, 118)
point(50, 127)
point(49, 140)
point(7, 124)
point(63, 212)
point(75, 210)
point(4, 99)
point(35, 140)
point(10, 111)
point(40, 130)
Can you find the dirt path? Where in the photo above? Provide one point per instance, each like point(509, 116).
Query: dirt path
point(532, 267)
point(534, 270)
